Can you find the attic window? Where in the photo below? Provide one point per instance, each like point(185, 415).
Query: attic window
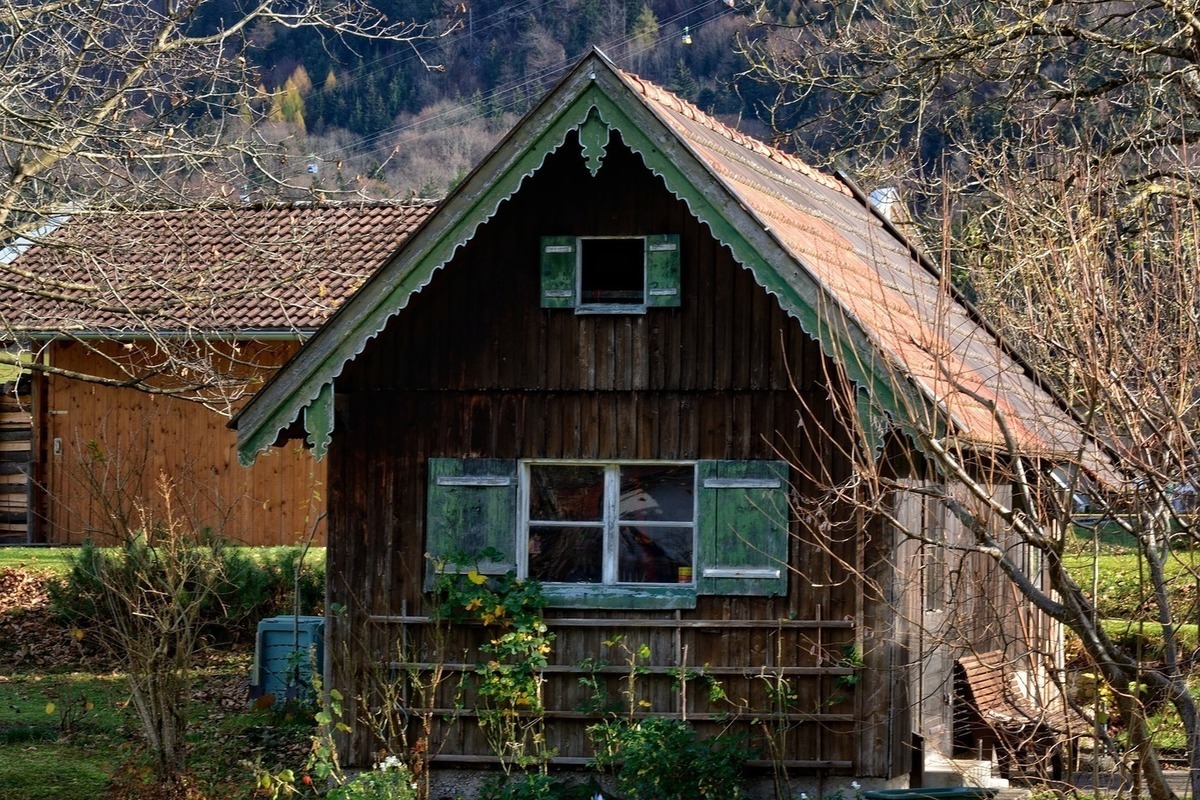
point(610, 274)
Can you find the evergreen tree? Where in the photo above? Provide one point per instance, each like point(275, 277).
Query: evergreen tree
point(645, 35)
point(645, 28)
point(683, 83)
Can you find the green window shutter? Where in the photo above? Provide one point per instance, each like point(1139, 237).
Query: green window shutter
point(662, 271)
point(471, 506)
point(558, 271)
point(742, 518)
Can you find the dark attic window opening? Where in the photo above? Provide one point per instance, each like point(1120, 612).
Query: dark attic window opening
point(612, 272)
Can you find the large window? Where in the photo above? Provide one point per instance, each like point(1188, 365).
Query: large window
point(610, 524)
point(615, 534)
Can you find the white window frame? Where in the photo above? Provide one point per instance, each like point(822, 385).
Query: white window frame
point(610, 522)
point(582, 307)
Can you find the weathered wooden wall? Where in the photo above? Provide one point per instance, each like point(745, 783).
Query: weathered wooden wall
point(16, 448)
point(99, 445)
point(473, 367)
point(954, 601)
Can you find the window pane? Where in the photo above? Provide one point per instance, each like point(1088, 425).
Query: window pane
point(649, 554)
point(566, 555)
point(565, 493)
point(657, 492)
point(612, 271)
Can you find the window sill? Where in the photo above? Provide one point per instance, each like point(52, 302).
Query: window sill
point(574, 595)
point(610, 308)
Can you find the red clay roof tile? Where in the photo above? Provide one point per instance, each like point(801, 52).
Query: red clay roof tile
point(228, 270)
point(904, 307)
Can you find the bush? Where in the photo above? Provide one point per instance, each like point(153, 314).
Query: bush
point(145, 602)
point(262, 584)
point(390, 780)
point(254, 584)
point(661, 759)
point(537, 786)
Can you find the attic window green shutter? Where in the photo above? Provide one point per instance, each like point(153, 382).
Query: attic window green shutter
point(662, 271)
point(558, 271)
point(743, 527)
point(471, 506)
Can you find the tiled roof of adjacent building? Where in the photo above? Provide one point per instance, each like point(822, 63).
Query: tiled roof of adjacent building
point(230, 270)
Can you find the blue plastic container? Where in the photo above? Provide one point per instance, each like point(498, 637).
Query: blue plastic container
point(286, 651)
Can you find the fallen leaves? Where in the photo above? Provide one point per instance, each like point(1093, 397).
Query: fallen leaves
point(31, 634)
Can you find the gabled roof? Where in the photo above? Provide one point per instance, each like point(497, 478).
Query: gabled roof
point(240, 270)
point(810, 239)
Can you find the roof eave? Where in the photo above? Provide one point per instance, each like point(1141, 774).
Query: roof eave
point(282, 399)
point(593, 84)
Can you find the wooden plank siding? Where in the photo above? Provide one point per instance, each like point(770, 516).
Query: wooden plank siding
point(952, 601)
point(114, 443)
point(473, 367)
point(16, 461)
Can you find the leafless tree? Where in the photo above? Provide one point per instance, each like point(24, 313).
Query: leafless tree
point(1047, 151)
point(937, 86)
point(112, 107)
point(145, 603)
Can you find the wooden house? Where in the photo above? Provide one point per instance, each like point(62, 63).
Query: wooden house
point(619, 357)
point(207, 303)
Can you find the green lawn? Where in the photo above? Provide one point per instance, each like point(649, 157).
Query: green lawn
point(65, 736)
point(49, 559)
point(10, 372)
point(61, 734)
point(54, 771)
point(57, 559)
point(1124, 599)
point(1122, 582)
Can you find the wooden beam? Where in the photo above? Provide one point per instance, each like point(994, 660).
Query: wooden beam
point(549, 714)
point(619, 669)
point(574, 761)
point(584, 622)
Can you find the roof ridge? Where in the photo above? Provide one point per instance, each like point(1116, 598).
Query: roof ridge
point(410, 202)
point(654, 92)
point(261, 205)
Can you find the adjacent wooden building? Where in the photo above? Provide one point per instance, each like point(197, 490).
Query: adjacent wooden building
point(205, 305)
point(633, 355)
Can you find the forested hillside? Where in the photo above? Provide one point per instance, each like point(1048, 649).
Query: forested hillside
point(395, 119)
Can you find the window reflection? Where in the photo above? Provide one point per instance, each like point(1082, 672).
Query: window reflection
point(566, 555)
point(566, 493)
point(655, 555)
point(634, 527)
point(657, 492)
